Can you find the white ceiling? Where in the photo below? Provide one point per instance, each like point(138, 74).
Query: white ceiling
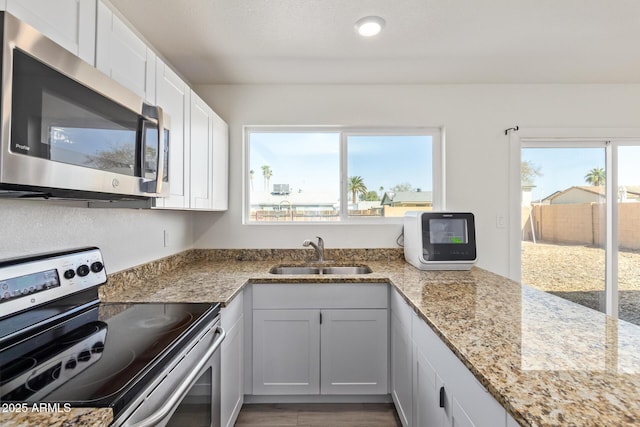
point(424, 41)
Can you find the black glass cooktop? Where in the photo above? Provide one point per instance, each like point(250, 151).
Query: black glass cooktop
point(102, 356)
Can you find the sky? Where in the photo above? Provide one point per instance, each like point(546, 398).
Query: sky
point(311, 162)
point(562, 168)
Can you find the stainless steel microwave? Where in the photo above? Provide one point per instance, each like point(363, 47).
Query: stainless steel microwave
point(68, 130)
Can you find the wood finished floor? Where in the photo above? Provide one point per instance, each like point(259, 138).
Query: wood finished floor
point(318, 415)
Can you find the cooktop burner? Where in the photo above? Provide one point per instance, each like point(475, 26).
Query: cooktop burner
point(100, 357)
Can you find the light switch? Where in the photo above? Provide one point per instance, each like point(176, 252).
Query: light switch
point(501, 221)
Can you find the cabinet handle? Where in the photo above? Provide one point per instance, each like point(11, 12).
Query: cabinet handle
point(442, 397)
point(321, 318)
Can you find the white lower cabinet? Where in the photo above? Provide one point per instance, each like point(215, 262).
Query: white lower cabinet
point(353, 354)
point(231, 363)
point(320, 339)
point(286, 351)
point(401, 358)
point(445, 392)
point(441, 391)
point(427, 389)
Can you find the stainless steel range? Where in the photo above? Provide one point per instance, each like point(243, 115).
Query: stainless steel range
point(153, 364)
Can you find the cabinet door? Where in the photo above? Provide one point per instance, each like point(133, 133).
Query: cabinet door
point(401, 367)
point(220, 164)
point(173, 94)
point(123, 56)
point(459, 418)
point(70, 23)
point(286, 350)
point(427, 411)
point(354, 351)
point(466, 400)
point(201, 173)
point(231, 363)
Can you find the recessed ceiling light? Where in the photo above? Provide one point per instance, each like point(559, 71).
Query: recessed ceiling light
point(369, 26)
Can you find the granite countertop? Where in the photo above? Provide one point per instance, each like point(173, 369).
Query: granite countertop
point(548, 361)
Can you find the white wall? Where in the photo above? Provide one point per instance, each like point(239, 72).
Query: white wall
point(127, 237)
point(477, 166)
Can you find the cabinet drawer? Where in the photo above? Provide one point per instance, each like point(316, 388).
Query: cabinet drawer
point(320, 295)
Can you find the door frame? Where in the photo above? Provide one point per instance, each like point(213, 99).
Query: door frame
point(608, 138)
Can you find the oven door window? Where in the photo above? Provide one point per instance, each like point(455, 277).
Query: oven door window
point(196, 409)
point(56, 118)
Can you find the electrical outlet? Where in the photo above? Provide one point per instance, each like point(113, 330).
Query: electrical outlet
point(166, 238)
point(501, 221)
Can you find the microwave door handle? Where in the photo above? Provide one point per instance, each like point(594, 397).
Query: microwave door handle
point(161, 142)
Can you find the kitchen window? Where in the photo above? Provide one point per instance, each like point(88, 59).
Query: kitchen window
point(313, 174)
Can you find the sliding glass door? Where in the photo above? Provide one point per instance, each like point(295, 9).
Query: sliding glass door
point(580, 222)
point(628, 225)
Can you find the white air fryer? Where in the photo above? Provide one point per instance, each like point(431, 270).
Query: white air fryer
point(440, 240)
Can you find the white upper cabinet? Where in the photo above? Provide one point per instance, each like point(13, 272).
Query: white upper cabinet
point(173, 95)
point(70, 23)
point(220, 164)
point(201, 153)
point(123, 56)
point(209, 157)
point(199, 138)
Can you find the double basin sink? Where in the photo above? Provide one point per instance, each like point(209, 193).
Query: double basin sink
point(320, 269)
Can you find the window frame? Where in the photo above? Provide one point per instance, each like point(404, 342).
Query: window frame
point(438, 167)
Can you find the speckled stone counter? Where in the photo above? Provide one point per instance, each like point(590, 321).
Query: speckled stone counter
point(548, 361)
point(84, 417)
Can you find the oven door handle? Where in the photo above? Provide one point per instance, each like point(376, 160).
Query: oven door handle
point(183, 388)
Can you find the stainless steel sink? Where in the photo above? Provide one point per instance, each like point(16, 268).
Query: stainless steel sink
point(336, 269)
point(346, 270)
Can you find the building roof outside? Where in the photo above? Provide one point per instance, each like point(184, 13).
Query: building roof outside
point(632, 191)
point(301, 199)
point(407, 197)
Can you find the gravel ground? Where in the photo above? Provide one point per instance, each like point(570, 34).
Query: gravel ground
point(577, 274)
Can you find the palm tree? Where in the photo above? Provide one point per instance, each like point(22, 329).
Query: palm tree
point(596, 177)
point(356, 186)
point(266, 173)
point(251, 172)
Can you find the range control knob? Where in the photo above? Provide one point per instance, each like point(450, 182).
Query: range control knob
point(84, 356)
point(97, 347)
point(69, 274)
point(71, 363)
point(97, 267)
point(83, 270)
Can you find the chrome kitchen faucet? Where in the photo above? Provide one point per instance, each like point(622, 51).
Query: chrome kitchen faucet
point(319, 248)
